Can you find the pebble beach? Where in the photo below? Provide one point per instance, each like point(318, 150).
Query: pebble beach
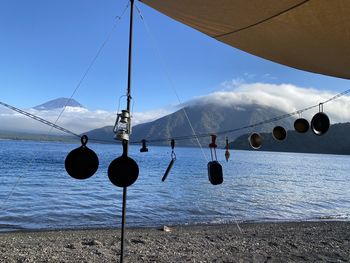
point(249, 242)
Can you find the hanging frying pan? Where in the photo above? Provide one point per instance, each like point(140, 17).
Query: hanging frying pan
point(123, 171)
point(255, 140)
point(279, 133)
point(81, 163)
point(320, 122)
point(301, 125)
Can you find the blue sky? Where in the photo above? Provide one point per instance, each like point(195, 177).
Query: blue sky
point(46, 47)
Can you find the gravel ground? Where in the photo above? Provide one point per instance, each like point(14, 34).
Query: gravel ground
point(261, 242)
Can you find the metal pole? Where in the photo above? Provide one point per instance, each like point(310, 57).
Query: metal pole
point(126, 141)
point(130, 54)
point(123, 226)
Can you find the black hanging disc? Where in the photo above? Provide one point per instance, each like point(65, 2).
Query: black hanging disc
point(320, 123)
point(301, 125)
point(279, 133)
point(81, 163)
point(123, 171)
point(255, 140)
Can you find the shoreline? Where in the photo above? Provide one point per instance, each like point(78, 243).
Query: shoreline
point(171, 225)
point(250, 242)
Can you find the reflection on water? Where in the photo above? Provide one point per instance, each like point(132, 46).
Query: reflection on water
point(257, 186)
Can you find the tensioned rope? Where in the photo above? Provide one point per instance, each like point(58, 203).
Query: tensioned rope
point(92, 62)
point(187, 137)
point(48, 123)
point(274, 119)
point(54, 125)
point(165, 68)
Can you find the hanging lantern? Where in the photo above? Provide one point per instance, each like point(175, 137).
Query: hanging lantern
point(123, 171)
point(320, 122)
point(255, 140)
point(122, 128)
point(301, 125)
point(279, 133)
point(81, 163)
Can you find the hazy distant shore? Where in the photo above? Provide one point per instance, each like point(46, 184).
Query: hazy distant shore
point(258, 242)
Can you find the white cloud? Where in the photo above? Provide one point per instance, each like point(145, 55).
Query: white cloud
point(236, 93)
point(285, 97)
point(77, 120)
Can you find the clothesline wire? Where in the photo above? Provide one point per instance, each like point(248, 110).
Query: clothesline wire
point(170, 80)
point(274, 119)
point(185, 137)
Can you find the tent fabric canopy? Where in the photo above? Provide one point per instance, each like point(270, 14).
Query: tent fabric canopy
point(311, 35)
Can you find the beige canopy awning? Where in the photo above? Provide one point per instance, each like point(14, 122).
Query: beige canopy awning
point(312, 35)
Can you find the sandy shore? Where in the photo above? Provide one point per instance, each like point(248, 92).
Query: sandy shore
point(262, 242)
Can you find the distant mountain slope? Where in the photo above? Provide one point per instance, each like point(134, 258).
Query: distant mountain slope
point(35, 137)
point(58, 103)
point(335, 141)
point(208, 118)
point(204, 119)
point(104, 134)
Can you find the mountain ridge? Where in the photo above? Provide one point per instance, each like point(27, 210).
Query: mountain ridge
point(57, 104)
point(205, 119)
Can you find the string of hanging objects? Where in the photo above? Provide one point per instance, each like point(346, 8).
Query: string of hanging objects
point(319, 125)
point(82, 162)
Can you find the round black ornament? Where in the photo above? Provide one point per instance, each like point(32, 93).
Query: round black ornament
point(255, 140)
point(123, 171)
point(81, 163)
point(320, 123)
point(301, 125)
point(279, 133)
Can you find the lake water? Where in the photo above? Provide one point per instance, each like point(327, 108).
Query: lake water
point(36, 192)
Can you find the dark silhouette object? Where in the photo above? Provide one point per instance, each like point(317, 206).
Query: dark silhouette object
point(168, 169)
point(320, 123)
point(255, 140)
point(301, 125)
point(173, 158)
point(227, 153)
point(215, 174)
point(144, 147)
point(81, 163)
point(279, 133)
point(123, 171)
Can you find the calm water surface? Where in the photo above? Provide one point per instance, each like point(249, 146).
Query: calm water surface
point(36, 192)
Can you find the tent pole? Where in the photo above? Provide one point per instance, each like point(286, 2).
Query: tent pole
point(127, 142)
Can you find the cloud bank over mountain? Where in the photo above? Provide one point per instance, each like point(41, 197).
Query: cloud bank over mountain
point(284, 97)
point(75, 119)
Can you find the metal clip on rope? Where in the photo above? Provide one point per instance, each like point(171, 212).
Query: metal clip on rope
point(173, 158)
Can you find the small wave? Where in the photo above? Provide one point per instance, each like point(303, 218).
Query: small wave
point(335, 217)
point(10, 228)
